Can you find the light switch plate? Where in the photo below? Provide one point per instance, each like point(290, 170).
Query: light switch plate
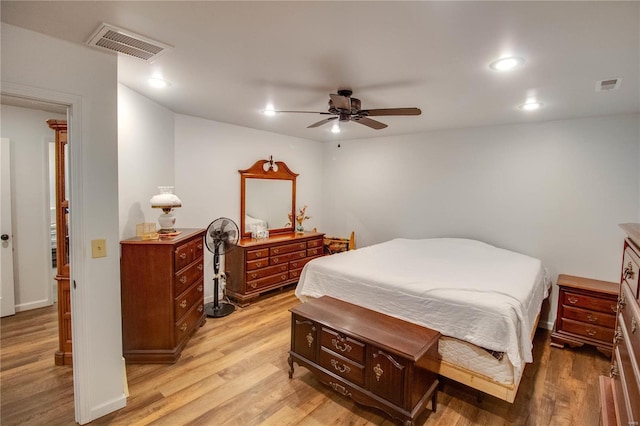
point(98, 248)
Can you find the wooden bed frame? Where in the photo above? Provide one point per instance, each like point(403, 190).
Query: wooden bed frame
point(504, 391)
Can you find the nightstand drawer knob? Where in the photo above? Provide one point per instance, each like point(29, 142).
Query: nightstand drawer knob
point(183, 279)
point(572, 299)
point(591, 331)
point(200, 267)
point(592, 318)
point(183, 256)
point(183, 304)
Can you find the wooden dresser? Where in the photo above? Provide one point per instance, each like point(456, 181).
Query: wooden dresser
point(256, 266)
point(586, 313)
point(620, 392)
point(162, 292)
point(372, 358)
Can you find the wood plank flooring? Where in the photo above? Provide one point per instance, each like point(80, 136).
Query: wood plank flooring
point(234, 372)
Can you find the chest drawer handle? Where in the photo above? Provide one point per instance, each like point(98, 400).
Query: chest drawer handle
point(183, 327)
point(302, 254)
point(259, 264)
point(344, 369)
point(572, 299)
point(621, 302)
point(617, 337)
point(613, 370)
point(294, 264)
point(183, 304)
point(283, 268)
point(283, 277)
point(340, 389)
point(183, 279)
point(309, 339)
point(275, 260)
point(253, 285)
point(276, 251)
point(628, 271)
point(592, 318)
point(634, 325)
point(200, 267)
point(591, 331)
point(254, 275)
point(614, 308)
point(341, 345)
point(183, 256)
point(379, 372)
point(200, 288)
point(199, 246)
point(200, 308)
point(302, 245)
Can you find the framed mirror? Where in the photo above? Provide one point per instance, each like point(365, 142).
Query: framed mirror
point(267, 197)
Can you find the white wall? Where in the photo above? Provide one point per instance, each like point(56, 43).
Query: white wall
point(208, 156)
point(42, 64)
point(145, 157)
point(554, 190)
point(30, 136)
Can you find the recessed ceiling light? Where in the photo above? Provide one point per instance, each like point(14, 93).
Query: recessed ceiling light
point(530, 106)
point(158, 82)
point(506, 64)
point(269, 110)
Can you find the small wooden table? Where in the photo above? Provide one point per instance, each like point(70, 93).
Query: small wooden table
point(377, 360)
point(586, 313)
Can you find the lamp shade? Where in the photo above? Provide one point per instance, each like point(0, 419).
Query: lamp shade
point(166, 198)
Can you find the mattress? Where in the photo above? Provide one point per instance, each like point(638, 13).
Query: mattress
point(465, 289)
point(475, 359)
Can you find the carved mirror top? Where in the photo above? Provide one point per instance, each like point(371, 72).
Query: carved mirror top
point(267, 197)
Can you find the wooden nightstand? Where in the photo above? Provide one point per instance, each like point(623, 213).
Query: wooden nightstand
point(586, 313)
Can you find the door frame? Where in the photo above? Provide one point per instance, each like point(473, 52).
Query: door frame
point(79, 302)
point(8, 294)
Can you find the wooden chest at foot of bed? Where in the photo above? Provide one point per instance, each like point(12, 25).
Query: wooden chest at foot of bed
point(372, 358)
point(586, 313)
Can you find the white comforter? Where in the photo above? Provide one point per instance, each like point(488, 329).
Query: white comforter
point(463, 288)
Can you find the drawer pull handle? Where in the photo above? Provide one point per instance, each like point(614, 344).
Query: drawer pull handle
point(294, 264)
point(183, 304)
point(183, 327)
point(301, 245)
point(591, 331)
point(259, 264)
point(183, 256)
point(275, 260)
point(628, 271)
point(283, 268)
point(254, 275)
point(379, 371)
point(283, 277)
point(341, 345)
point(309, 339)
point(199, 246)
point(613, 370)
point(634, 325)
point(183, 279)
point(200, 267)
point(302, 254)
point(253, 285)
point(572, 299)
point(200, 308)
point(621, 302)
point(344, 369)
point(614, 308)
point(340, 389)
point(276, 251)
point(592, 318)
point(200, 288)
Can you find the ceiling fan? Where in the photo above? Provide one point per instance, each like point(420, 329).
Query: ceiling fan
point(343, 107)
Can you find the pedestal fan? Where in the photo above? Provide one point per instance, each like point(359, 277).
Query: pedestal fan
point(221, 237)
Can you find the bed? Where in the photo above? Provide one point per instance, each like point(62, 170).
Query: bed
point(484, 300)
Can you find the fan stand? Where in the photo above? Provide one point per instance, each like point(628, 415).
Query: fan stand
point(217, 309)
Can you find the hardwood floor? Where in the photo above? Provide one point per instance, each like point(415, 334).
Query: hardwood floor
point(234, 372)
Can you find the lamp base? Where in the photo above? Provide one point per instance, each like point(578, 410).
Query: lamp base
point(222, 310)
point(167, 231)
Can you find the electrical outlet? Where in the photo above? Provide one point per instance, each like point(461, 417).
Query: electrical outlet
point(98, 248)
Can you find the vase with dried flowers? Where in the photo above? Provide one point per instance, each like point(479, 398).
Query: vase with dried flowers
point(300, 218)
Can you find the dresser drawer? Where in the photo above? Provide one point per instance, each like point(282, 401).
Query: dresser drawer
point(588, 330)
point(588, 316)
point(589, 302)
point(288, 248)
point(186, 300)
point(294, 274)
point(257, 254)
point(186, 277)
point(185, 325)
point(276, 260)
point(257, 264)
point(629, 319)
point(315, 243)
point(298, 263)
point(631, 270)
point(267, 281)
point(312, 252)
point(342, 366)
point(343, 345)
point(265, 272)
point(628, 374)
point(183, 255)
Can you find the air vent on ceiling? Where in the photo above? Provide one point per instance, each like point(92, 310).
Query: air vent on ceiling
point(114, 39)
point(608, 84)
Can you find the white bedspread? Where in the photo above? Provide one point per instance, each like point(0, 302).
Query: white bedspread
point(463, 288)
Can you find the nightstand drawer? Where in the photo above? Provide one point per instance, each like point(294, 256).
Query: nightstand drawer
point(590, 317)
point(589, 302)
point(591, 331)
point(342, 366)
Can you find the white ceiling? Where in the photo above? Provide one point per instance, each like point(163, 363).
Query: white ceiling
point(232, 58)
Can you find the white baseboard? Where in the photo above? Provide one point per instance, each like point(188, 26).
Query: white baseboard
point(33, 305)
point(107, 407)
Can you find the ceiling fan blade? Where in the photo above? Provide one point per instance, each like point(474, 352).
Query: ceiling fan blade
point(304, 112)
point(391, 111)
point(341, 102)
point(321, 122)
point(369, 122)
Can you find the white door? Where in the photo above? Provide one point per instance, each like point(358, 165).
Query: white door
point(7, 299)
